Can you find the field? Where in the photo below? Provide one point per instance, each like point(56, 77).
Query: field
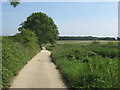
point(90, 65)
point(80, 41)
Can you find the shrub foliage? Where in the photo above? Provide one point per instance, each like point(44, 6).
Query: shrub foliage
point(16, 51)
point(89, 66)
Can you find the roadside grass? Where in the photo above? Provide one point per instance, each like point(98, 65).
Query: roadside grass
point(88, 66)
point(49, 47)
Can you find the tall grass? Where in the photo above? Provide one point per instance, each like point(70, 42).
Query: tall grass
point(89, 66)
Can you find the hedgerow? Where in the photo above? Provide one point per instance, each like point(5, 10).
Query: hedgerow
point(16, 52)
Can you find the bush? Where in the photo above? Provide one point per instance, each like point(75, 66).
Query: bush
point(27, 38)
point(83, 67)
point(16, 52)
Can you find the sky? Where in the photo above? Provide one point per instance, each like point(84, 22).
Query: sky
point(0, 18)
point(72, 18)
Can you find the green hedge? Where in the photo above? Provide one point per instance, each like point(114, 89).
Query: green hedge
point(15, 54)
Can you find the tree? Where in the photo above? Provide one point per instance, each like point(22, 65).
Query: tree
point(14, 3)
point(43, 26)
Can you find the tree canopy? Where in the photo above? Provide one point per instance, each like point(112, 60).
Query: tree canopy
point(85, 38)
point(14, 3)
point(43, 26)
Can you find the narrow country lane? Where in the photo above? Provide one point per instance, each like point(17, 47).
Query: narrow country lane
point(40, 72)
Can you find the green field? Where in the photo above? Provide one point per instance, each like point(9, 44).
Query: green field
point(80, 41)
point(92, 65)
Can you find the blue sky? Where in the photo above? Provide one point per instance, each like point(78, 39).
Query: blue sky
point(72, 18)
point(0, 18)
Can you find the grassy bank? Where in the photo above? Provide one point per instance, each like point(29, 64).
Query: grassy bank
point(16, 52)
point(89, 66)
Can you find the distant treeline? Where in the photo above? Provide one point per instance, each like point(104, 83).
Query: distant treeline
point(86, 38)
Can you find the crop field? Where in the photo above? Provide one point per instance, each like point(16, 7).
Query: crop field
point(94, 65)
